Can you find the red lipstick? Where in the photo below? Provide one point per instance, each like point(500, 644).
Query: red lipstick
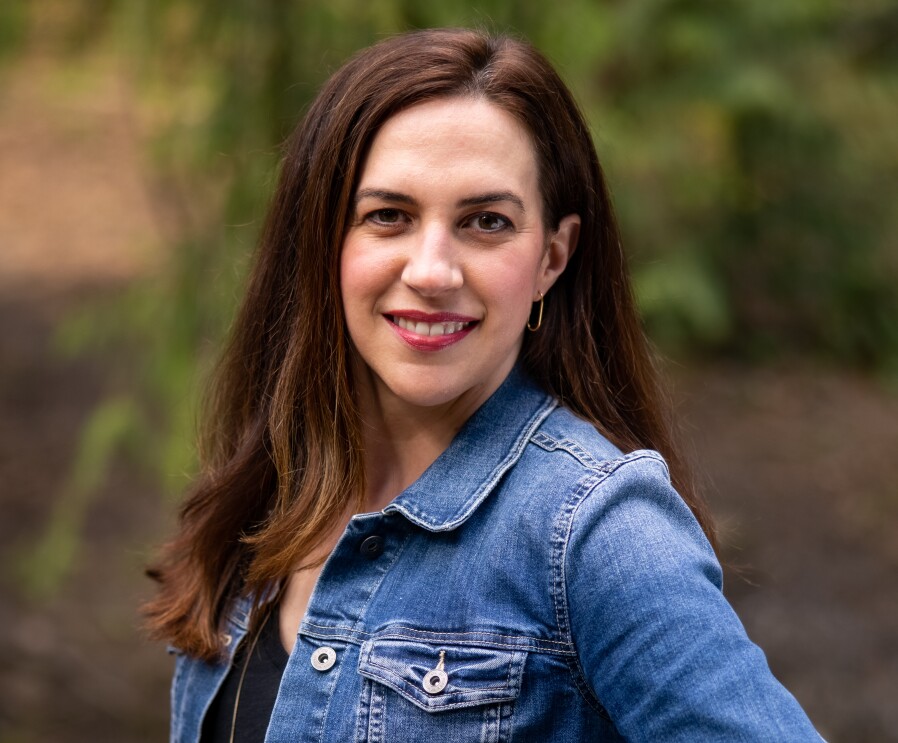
point(406, 324)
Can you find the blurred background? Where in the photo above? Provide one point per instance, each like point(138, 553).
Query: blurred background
point(753, 152)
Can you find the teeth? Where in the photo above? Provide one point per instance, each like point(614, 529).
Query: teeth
point(426, 328)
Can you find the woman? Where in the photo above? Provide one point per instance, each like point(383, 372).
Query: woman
point(430, 507)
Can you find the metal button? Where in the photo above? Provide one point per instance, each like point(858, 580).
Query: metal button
point(435, 681)
point(323, 658)
point(372, 547)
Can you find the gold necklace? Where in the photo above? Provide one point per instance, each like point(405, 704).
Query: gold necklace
point(249, 655)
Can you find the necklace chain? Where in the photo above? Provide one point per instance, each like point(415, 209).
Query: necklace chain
point(249, 656)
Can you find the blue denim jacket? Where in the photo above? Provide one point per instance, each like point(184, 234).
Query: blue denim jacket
point(535, 584)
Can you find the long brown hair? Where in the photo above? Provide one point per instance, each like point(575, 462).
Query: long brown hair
point(281, 451)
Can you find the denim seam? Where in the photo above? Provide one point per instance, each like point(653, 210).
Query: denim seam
point(459, 690)
point(386, 571)
point(332, 680)
point(561, 539)
point(505, 722)
point(177, 715)
point(378, 705)
point(357, 635)
point(435, 632)
point(606, 466)
point(568, 446)
point(363, 717)
point(417, 515)
point(511, 663)
point(400, 688)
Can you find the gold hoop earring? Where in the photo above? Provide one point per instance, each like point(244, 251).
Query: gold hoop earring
point(539, 320)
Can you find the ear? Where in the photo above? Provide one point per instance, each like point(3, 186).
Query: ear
point(562, 243)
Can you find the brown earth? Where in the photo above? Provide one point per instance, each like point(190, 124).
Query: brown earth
point(801, 465)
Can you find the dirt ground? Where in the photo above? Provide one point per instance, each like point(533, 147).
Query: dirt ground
point(800, 466)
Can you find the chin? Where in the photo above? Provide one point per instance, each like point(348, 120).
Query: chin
point(423, 394)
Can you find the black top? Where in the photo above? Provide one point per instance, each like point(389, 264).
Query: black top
point(260, 689)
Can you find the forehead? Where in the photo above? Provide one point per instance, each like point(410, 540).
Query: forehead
point(452, 142)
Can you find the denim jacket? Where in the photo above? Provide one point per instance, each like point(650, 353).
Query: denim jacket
point(534, 584)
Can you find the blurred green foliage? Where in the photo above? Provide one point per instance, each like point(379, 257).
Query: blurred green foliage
point(53, 555)
point(752, 149)
point(751, 146)
point(13, 21)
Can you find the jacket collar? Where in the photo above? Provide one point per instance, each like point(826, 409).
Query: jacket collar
point(488, 445)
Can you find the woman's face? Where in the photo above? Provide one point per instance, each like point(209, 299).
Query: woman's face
point(446, 252)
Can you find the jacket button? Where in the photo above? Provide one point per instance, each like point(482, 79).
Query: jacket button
point(372, 547)
point(323, 658)
point(435, 681)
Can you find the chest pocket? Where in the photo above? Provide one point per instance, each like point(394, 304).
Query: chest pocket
point(417, 691)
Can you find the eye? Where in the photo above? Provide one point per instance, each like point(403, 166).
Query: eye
point(385, 216)
point(490, 222)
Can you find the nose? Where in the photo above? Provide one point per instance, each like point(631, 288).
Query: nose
point(432, 267)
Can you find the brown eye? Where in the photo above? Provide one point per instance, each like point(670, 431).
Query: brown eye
point(386, 216)
point(489, 222)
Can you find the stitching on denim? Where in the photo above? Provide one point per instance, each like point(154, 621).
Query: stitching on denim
point(402, 687)
point(516, 667)
point(605, 466)
point(400, 549)
point(481, 634)
point(307, 623)
point(489, 723)
point(560, 538)
point(488, 643)
point(504, 732)
point(544, 441)
point(363, 717)
point(182, 676)
point(378, 705)
point(485, 643)
point(513, 662)
point(177, 717)
point(529, 642)
point(405, 690)
point(575, 500)
point(482, 643)
point(514, 454)
point(333, 679)
point(573, 448)
point(391, 672)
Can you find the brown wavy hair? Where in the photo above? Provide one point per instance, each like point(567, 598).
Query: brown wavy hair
point(281, 450)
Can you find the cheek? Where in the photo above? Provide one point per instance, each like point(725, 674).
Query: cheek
point(509, 292)
point(363, 276)
point(349, 280)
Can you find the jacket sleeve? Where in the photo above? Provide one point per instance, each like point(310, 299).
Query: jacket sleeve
point(656, 640)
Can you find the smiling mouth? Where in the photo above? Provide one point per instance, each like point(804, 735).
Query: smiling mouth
point(429, 328)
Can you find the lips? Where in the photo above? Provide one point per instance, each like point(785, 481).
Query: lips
point(426, 331)
point(430, 329)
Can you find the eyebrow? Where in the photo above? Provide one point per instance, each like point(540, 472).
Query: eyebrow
point(401, 198)
point(377, 193)
point(492, 198)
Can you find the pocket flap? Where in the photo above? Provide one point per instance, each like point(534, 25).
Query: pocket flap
point(473, 674)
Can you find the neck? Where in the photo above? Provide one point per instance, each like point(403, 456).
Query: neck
point(402, 440)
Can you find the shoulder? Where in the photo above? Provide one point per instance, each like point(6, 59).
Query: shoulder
point(578, 449)
point(614, 505)
point(637, 593)
point(619, 503)
point(563, 431)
